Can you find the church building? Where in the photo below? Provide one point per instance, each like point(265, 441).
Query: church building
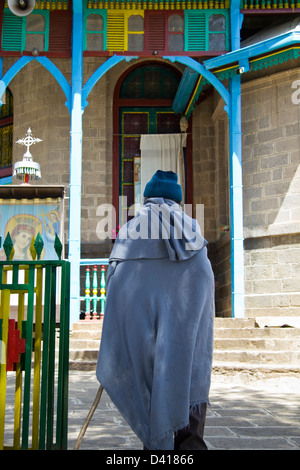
point(116, 89)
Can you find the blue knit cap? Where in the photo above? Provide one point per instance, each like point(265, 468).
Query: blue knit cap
point(164, 184)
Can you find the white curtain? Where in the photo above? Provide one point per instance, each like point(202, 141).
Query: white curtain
point(162, 152)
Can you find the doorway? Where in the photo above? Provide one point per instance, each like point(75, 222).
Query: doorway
point(143, 100)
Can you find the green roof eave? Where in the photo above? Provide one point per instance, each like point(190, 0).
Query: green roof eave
point(185, 89)
point(255, 57)
point(254, 50)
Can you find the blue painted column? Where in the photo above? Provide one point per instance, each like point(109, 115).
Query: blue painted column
point(236, 177)
point(76, 161)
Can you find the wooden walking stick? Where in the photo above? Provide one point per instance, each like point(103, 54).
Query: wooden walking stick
point(88, 418)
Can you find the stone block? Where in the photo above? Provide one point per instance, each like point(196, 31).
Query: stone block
point(295, 300)
point(257, 272)
point(292, 143)
point(291, 284)
point(258, 301)
point(254, 220)
point(292, 129)
point(270, 135)
point(291, 255)
point(264, 205)
point(274, 161)
point(252, 193)
point(280, 271)
point(266, 148)
point(261, 258)
point(262, 177)
point(278, 188)
point(264, 122)
point(248, 126)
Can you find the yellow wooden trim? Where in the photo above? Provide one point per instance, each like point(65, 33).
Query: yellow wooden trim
point(37, 359)
point(5, 298)
point(18, 383)
point(191, 100)
point(117, 28)
point(271, 55)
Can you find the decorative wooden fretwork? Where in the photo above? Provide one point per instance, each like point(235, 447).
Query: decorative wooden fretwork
point(48, 4)
point(157, 4)
point(269, 4)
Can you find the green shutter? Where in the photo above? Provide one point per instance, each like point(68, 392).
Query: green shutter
point(12, 32)
point(195, 31)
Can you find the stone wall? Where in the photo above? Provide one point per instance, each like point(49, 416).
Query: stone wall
point(271, 189)
point(211, 188)
point(272, 272)
point(271, 180)
point(204, 165)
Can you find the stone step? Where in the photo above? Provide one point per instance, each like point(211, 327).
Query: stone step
point(257, 344)
point(91, 342)
point(86, 334)
point(87, 325)
point(267, 359)
point(256, 333)
point(257, 357)
point(220, 322)
point(84, 354)
point(82, 344)
point(238, 343)
point(231, 355)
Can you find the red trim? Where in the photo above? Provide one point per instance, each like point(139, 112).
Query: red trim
point(6, 171)
point(115, 158)
point(145, 102)
point(139, 54)
point(270, 11)
point(59, 55)
point(189, 164)
point(149, 54)
point(6, 121)
point(150, 34)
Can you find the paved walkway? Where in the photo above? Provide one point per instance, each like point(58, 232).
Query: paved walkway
point(247, 412)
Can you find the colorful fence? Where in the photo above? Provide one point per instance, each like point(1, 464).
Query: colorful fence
point(94, 288)
point(33, 381)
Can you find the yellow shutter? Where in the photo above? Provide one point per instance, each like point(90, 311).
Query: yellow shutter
point(116, 34)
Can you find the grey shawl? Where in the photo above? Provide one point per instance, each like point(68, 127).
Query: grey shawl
point(157, 341)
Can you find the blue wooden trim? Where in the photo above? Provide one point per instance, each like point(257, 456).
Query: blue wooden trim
point(24, 60)
point(115, 59)
point(12, 72)
point(6, 180)
point(236, 199)
point(236, 177)
point(94, 261)
point(193, 64)
point(76, 161)
point(57, 74)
